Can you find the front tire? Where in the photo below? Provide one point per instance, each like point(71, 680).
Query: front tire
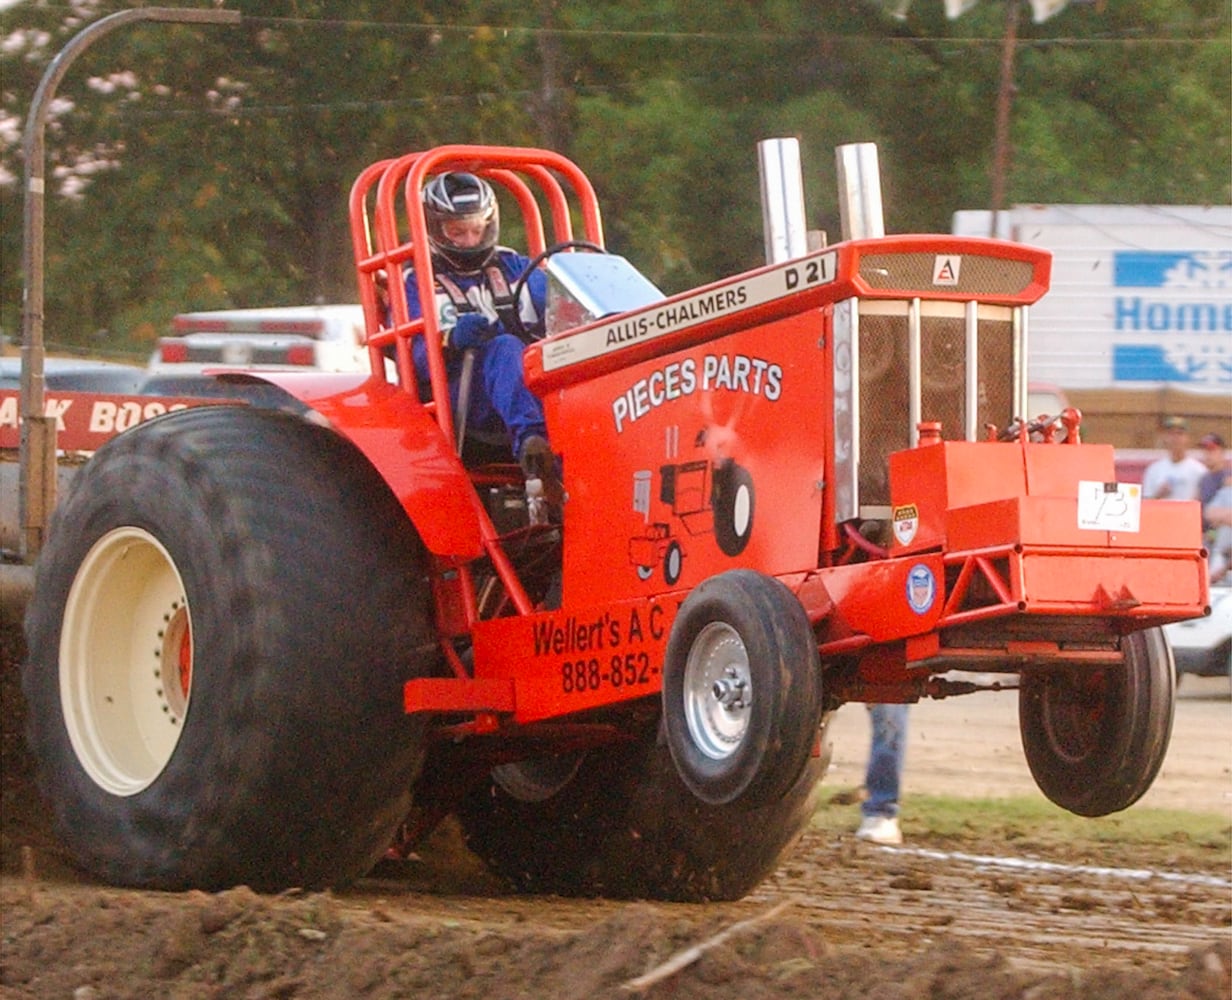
point(626, 827)
point(742, 695)
point(226, 610)
point(1095, 740)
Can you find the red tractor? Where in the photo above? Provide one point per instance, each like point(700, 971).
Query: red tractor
point(266, 644)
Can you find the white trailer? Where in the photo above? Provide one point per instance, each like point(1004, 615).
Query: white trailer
point(1141, 304)
point(1141, 294)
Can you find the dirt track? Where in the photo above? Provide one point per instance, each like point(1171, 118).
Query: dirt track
point(970, 747)
point(956, 918)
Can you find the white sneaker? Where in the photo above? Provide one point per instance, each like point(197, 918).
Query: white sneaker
point(880, 830)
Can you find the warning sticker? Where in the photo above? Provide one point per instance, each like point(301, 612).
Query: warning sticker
point(906, 522)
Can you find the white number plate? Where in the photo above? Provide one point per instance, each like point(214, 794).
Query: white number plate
point(1109, 506)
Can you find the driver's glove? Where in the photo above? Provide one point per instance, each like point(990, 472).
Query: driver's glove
point(471, 330)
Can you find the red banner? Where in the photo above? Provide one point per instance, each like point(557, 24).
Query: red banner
point(84, 420)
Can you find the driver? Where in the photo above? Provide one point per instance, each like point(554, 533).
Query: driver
point(474, 300)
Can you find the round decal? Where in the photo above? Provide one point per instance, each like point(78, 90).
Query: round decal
point(921, 588)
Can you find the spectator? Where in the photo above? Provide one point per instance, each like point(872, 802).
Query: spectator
point(883, 775)
point(1174, 477)
point(1217, 512)
point(1211, 453)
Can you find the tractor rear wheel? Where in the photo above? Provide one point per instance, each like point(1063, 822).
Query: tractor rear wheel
point(1095, 740)
point(626, 827)
point(222, 622)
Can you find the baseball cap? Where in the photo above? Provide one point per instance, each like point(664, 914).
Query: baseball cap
point(1175, 424)
point(1211, 441)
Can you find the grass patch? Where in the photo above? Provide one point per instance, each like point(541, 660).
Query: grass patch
point(1034, 826)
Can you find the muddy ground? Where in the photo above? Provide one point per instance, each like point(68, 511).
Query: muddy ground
point(955, 917)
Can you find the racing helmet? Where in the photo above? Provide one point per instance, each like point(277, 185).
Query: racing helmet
point(463, 219)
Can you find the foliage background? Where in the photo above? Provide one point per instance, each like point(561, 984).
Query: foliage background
point(206, 167)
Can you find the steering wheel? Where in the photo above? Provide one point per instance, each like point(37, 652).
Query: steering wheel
point(519, 286)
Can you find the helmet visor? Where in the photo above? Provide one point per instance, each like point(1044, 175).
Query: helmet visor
point(467, 232)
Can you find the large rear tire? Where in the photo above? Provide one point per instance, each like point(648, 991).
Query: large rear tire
point(226, 610)
point(1095, 740)
point(626, 827)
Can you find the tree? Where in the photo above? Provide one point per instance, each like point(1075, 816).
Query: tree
point(207, 167)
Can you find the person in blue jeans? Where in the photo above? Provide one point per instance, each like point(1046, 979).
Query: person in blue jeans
point(883, 775)
point(475, 284)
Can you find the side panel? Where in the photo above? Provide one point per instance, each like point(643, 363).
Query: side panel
point(1174, 526)
point(1064, 568)
point(695, 462)
point(887, 599)
point(568, 661)
point(930, 482)
point(406, 447)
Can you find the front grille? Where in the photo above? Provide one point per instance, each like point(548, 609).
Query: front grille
point(976, 275)
point(884, 397)
point(885, 386)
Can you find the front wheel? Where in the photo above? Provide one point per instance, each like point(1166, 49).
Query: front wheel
point(742, 695)
point(624, 826)
point(1095, 739)
point(226, 610)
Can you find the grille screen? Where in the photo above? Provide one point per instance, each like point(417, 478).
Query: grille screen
point(976, 275)
point(885, 387)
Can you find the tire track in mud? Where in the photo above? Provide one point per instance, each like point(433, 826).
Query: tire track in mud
point(1040, 913)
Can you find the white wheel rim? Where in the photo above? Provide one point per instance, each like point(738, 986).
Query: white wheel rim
point(125, 661)
point(718, 691)
point(741, 511)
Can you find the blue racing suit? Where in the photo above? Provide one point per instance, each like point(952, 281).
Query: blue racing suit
point(498, 387)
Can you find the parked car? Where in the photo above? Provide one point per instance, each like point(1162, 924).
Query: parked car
point(1203, 646)
point(327, 338)
point(1045, 398)
point(76, 375)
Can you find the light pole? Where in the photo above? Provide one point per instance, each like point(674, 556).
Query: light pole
point(38, 432)
point(1005, 101)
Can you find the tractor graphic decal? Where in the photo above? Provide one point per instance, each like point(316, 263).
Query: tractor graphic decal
point(695, 498)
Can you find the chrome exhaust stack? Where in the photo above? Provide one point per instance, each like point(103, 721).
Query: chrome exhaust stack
point(859, 191)
point(782, 200)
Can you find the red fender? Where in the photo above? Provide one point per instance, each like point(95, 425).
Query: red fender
point(405, 445)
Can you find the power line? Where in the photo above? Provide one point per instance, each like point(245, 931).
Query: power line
point(244, 110)
point(493, 32)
